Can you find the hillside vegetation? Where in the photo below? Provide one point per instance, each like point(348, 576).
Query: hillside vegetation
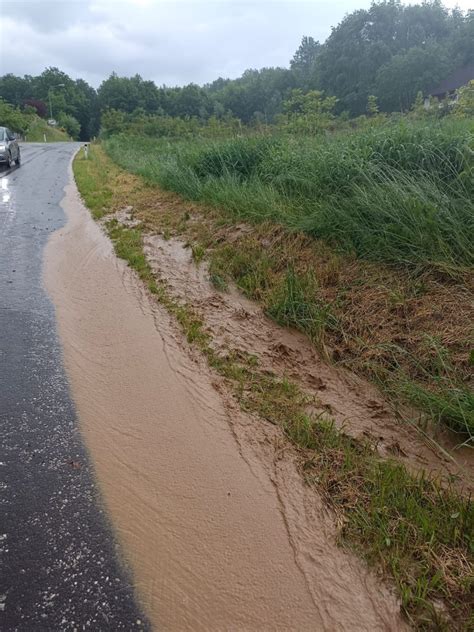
point(396, 194)
point(38, 129)
point(29, 125)
point(401, 194)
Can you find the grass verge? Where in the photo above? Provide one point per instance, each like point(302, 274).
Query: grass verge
point(400, 195)
point(417, 531)
point(39, 129)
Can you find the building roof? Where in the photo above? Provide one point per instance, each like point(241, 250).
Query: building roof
point(456, 79)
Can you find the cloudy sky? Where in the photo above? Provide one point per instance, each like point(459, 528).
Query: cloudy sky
point(171, 42)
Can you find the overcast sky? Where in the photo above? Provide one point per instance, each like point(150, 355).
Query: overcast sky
point(171, 42)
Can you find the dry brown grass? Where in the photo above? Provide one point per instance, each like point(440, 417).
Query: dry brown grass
point(386, 317)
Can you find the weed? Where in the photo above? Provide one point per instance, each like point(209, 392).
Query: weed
point(295, 303)
point(218, 281)
point(198, 252)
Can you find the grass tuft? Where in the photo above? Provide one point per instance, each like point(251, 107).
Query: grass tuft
point(295, 302)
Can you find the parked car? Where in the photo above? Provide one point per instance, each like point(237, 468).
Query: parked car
point(9, 149)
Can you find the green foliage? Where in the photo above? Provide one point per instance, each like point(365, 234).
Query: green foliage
point(389, 51)
point(38, 129)
point(113, 122)
point(127, 94)
point(400, 193)
point(28, 124)
point(304, 63)
point(56, 89)
point(395, 47)
point(296, 304)
point(307, 112)
point(464, 108)
point(70, 124)
point(13, 118)
point(239, 158)
point(372, 105)
point(418, 69)
point(418, 109)
point(139, 123)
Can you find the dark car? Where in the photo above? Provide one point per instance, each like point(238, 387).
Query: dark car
point(9, 149)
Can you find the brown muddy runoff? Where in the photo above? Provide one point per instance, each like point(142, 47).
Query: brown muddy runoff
point(355, 405)
point(209, 508)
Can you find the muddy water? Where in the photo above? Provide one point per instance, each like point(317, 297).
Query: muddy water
point(351, 401)
point(208, 507)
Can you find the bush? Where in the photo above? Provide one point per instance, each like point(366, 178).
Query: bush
point(13, 118)
point(70, 124)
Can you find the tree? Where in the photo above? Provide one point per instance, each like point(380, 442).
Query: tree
point(309, 112)
point(112, 122)
point(66, 96)
point(462, 47)
point(304, 63)
point(86, 108)
point(418, 69)
point(418, 108)
point(381, 50)
point(13, 118)
point(128, 94)
point(70, 124)
point(464, 108)
point(38, 106)
point(16, 90)
point(372, 105)
point(256, 94)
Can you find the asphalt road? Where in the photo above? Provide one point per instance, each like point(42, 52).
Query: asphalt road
point(59, 563)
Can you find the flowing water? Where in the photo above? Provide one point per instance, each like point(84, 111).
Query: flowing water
point(209, 509)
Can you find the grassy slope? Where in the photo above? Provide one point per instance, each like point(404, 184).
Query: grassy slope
point(39, 128)
point(404, 196)
point(415, 531)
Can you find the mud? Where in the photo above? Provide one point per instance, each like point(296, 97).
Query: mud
point(209, 508)
point(354, 404)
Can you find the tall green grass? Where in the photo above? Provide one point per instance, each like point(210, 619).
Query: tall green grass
point(403, 194)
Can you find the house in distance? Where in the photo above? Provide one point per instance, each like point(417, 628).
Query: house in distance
point(448, 89)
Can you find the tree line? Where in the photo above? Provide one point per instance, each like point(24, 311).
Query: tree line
point(389, 52)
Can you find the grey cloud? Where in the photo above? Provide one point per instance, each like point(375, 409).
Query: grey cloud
point(170, 42)
point(46, 16)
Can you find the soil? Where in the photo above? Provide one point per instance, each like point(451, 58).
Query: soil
point(356, 405)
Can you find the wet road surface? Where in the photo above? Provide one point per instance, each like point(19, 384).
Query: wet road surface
point(59, 564)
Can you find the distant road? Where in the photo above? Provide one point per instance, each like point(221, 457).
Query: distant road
point(58, 564)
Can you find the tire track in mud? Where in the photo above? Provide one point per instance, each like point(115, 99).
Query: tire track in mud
point(215, 521)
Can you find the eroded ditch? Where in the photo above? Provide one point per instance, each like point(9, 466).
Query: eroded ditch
point(209, 507)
